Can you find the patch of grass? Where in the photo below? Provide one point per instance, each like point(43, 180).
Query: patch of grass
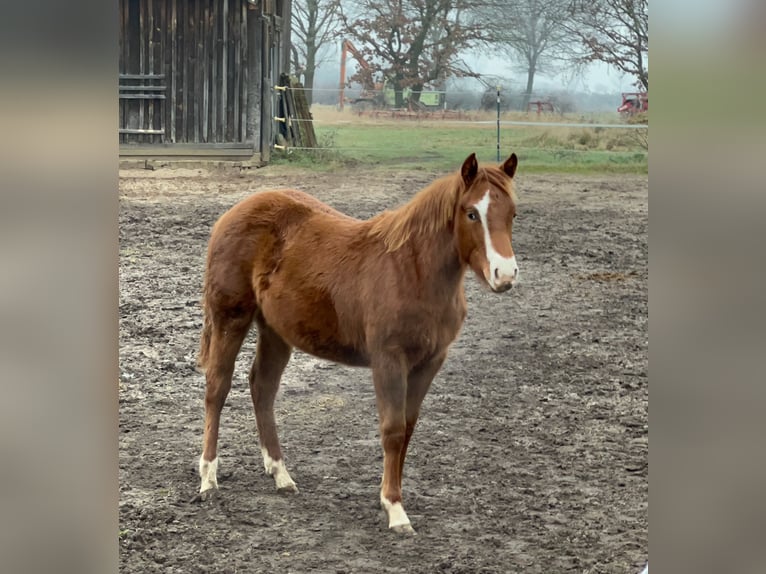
point(443, 146)
point(324, 158)
point(576, 161)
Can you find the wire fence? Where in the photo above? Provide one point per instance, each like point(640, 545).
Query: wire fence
point(370, 129)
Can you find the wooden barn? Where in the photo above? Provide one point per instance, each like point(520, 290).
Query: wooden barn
point(197, 77)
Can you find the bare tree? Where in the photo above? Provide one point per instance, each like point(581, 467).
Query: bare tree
point(615, 32)
point(411, 43)
point(534, 32)
point(315, 23)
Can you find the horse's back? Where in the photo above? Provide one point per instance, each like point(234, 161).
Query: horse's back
point(251, 239)
point(263, 221)
point(313, 203)
point(279, 207)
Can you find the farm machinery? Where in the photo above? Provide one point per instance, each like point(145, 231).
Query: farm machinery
point(634, 103)
point(541, 107)
point(377, 96)
point(372, 93)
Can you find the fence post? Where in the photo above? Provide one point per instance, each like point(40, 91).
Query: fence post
point(498, 124)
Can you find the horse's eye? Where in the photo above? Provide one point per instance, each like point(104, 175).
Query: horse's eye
point(472, 215)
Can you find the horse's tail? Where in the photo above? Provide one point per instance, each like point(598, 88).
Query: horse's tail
point(207, 329)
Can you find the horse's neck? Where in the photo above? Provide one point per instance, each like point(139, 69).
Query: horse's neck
point(426, 215)
point(439, 260)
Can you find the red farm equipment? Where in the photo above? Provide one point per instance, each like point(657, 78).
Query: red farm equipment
point(634, 103)
point(541, 106)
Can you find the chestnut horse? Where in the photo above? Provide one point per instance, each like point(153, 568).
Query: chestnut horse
point(386, 293)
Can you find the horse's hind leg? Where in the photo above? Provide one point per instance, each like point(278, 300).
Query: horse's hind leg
point(227, 332)
point(271, 358)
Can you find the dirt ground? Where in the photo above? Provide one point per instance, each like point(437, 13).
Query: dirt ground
point(531, 454)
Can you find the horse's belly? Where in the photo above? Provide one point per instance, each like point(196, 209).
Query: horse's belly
point(307, 319)
point(320, 342)
point(337, 353)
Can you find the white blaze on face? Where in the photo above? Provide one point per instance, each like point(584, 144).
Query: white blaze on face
point(501, 269)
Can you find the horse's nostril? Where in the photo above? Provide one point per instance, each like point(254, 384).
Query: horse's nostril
point(497, 273)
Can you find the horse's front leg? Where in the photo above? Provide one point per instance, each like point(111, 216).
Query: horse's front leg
point(418, 383)
point(389, 375)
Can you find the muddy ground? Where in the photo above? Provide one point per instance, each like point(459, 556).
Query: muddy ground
point(532, 447)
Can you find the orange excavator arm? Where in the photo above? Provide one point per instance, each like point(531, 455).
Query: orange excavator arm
point(346, 48)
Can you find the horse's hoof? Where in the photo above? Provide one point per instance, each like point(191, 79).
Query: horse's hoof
point(205, 495)
point(404, 529)
point(290, 488)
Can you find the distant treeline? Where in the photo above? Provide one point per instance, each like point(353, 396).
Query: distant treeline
point(510, 100)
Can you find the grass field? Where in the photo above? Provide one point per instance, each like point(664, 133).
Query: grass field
point(345, 137)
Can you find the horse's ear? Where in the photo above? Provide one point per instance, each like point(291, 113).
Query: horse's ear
point(470, 169)
point(509, 167)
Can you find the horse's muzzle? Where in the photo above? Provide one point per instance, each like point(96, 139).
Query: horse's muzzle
point(503, 282)
point(502, 287)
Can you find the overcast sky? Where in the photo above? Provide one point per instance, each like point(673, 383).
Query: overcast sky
point(597, 78)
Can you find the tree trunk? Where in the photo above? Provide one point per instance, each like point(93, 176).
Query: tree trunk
point(530, 86)
point(308, 74)
point(417, 90)
point(308, 85)
point(398, 91)
point(398, 97)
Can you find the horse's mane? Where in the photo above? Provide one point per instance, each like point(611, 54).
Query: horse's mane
point(432, 208)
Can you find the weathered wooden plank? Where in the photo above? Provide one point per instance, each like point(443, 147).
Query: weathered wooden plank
point(214, 76)
point(141, 76)
point(286, 110)
point(195, 54)
point(220, 151)
point(121, 43)
point(267, 138)
point(122, 114)
point(244, 49)
point(183, 43)
point(193, 146)
point(306, 126)
point(144, 150)
point(142, 88)
point(173, 70)
point(157, 56)
point(163, 25)
point(296, 124)
point(294, 121)
point(285, 36)
point(150, 62)
point(139, 131)
point(142, 56)
point(133, 63)
point(142, 97)
point(225, 71)
point(255, 76)
point(237, 72)
point(205, 65)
